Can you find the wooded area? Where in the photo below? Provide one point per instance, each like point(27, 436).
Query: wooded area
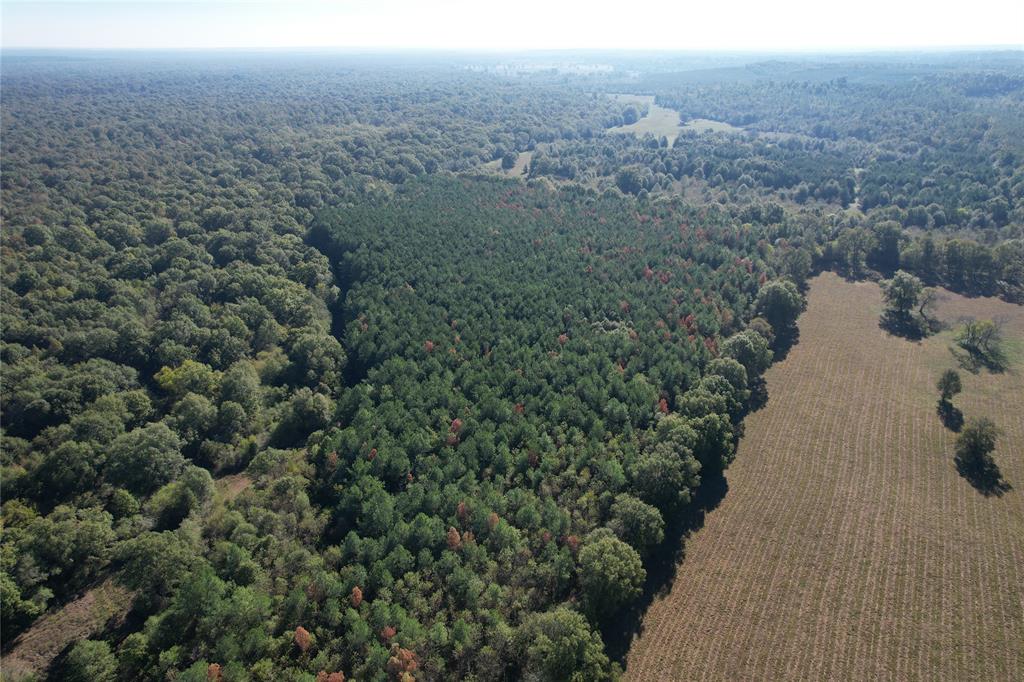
point(281, 357)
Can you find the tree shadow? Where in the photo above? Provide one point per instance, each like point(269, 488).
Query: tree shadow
point(662, 564)
point(904, 326)
point(758, 395)
point(984, 476)
point(951, 416)
point(784, 341)
point(857, 275)
point(975, 361)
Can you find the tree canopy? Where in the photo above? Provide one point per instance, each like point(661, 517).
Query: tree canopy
point(286, 352)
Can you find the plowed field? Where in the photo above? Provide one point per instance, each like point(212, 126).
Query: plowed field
point(848, 547)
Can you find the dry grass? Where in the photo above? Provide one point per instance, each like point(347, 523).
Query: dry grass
point(33, 651)
point(847, 546)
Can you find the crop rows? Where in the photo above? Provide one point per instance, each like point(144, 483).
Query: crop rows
point(847, 546)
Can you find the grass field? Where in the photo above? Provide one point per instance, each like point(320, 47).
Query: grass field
point(516, 171)
point(661, 121)
point(847, 546)
point(658, 121)
point(704, 125)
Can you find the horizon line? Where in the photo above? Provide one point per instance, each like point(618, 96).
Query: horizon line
point(992, 47)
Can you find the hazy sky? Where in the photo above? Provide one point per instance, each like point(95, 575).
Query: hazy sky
point(514, 24)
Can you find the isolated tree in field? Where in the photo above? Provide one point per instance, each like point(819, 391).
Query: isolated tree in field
point(780, 302)
point(926, 304)
point(611, 573)
point(982, 340)
point(976, 442)
point(508, 160)
point(949, 385)
point(903, 294)
point(974, 460)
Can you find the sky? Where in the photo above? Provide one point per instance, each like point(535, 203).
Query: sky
point(749, 25)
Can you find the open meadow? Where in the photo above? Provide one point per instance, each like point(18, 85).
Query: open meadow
point(659, 121)
point(847, 546)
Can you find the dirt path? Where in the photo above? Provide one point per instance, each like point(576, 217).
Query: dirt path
point(848, 547)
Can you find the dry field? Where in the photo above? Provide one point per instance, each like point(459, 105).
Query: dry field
point(847, 546)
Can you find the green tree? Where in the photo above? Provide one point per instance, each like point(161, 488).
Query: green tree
point(307, 411)
point(666, 471)
point(888, 235)
point(145, 459)
point(795, 263)
point(560, 646)
point(902, 292)
point(72, 543)
point(631, 179)
point(154, 564)
point(17, 611)
point(241, 385)
point(949, 385)
point(636, 522)
point(751, 350)
point(853, 247)
point(189, 376)
point(611, 573)
point(90, 661)
point(732, 371)
point(976, 442)
point(780, 302)
point(68, 469)
point(980, 338)
point(170, 505)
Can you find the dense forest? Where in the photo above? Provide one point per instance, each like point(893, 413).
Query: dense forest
point(286, 358)
point(930, 158)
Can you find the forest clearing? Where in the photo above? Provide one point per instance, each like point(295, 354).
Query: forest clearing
point(848, 547)
point(658, 120)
